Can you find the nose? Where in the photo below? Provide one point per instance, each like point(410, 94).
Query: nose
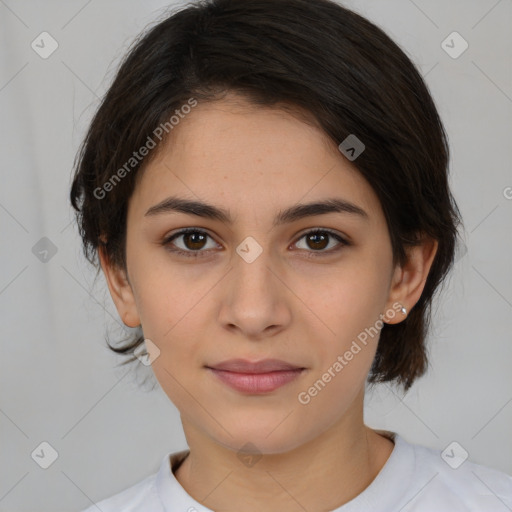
point(255, 296)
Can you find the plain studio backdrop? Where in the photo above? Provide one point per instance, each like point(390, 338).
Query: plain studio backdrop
point(102, 429)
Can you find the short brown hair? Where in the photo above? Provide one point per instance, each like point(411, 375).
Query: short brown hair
point(318, 56)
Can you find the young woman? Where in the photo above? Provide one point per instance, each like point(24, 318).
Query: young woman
point(265, 187)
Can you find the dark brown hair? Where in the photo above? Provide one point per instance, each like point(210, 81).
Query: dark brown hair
point(325, 60)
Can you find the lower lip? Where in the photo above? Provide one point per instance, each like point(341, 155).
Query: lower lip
point(256, 382)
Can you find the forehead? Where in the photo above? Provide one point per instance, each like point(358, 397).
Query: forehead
point(250, 158)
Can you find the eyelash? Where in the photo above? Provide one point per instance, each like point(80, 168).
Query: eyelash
point(199, 253)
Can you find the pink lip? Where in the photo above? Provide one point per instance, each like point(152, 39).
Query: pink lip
point(259, 377)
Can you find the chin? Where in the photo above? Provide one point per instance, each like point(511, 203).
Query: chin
point(259, 444)
point(269, 435)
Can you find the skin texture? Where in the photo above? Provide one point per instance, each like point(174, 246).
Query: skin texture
point(255, 162)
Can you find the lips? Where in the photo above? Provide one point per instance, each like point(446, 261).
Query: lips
point(255, 377)
point(264, 366)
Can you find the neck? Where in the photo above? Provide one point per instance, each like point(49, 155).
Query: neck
point(322, 474)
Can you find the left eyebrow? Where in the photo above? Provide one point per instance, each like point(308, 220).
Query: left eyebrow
point(291, 214)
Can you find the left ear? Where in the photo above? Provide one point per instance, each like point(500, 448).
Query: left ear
point(409, 280)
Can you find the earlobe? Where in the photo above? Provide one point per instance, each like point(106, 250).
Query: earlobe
point(409, 280)
point(120, 290)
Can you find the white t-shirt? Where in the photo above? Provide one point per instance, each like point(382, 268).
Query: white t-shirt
point(413, 479)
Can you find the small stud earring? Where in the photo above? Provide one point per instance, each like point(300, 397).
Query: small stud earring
point(403, 310)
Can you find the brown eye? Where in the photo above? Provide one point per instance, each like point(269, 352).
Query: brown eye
point(193, 242)
point(319, 239)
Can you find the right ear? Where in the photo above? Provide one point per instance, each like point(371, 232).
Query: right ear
point(120, 290)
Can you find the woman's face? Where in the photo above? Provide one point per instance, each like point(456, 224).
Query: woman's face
point(257, 286)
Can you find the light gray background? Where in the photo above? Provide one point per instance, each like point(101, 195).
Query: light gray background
point(58, 381)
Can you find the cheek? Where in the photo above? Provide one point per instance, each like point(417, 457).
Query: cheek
point(168, 296)
point(181, 384)
point(344, 355)
point(178, 339)
point(346, 301)
point(347, 307)
point(329, 395)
